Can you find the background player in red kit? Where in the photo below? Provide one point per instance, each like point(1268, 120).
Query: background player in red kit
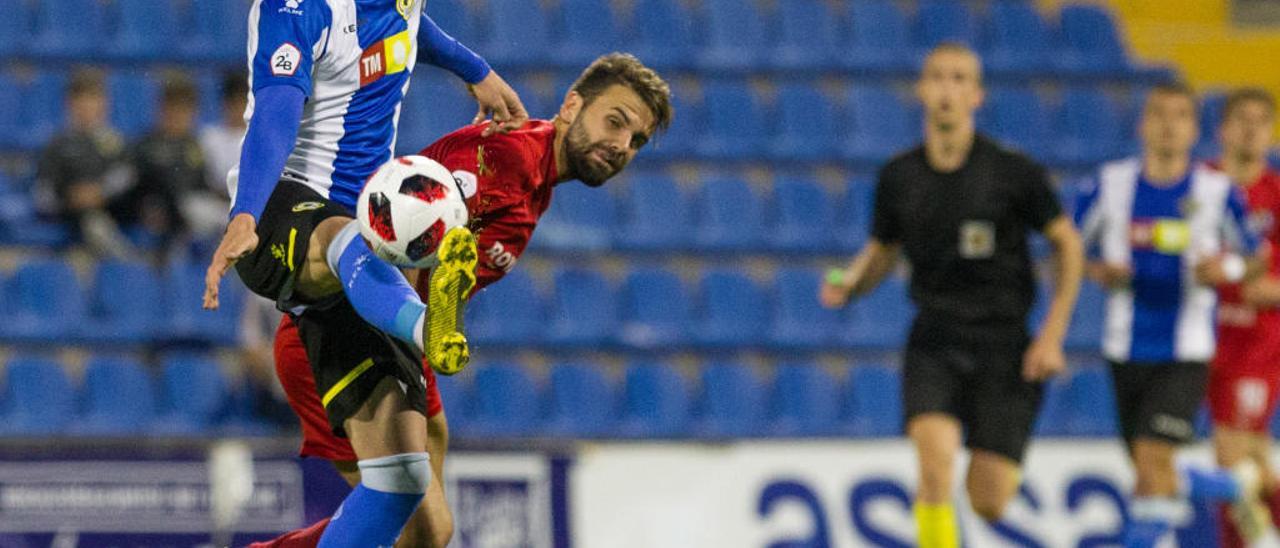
point(1244, 377)
point(608, 115)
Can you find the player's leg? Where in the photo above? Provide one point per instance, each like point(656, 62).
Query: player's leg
point(929, 387)
point(992, 482)
point(1004, 412)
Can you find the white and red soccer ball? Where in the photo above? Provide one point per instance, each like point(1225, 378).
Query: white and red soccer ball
point(406, 208)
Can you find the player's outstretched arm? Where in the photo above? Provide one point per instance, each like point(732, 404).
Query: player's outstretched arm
point(863, 274)
point(1044, 358)
point(496, 99)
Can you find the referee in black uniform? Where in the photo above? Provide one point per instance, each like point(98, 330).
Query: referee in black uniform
point(962, 207)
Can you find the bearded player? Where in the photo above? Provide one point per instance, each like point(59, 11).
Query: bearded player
point(608, 115)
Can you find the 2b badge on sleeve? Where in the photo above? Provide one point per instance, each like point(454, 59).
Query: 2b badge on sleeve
point(977, 239)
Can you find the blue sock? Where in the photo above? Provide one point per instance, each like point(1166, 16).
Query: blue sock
point(1213, 484)
point(389, 492)
point(376, 289)
point(1150, 519)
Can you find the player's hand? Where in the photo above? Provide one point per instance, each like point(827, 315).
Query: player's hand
point(240, 239)
point(1110, 276)
point(835, 291)
point(500, 103)
point(1043, 360)
point(1212, 272)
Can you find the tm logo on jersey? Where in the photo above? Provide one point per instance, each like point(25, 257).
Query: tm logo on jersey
point(389, 56)
point(1169, 236)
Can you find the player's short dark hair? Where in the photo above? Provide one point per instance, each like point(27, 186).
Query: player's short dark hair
point(1176, 88)
point(1240, 96)
point(625, 69)
point(86, 81)
point(179, 90)
point(956, 47)
point(235, 85)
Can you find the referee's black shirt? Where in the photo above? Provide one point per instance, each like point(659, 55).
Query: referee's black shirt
point(965, 233)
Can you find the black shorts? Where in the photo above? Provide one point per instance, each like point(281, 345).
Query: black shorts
point(1159, 400)
point(284, 230)
point(349, 357)
point(977, 380)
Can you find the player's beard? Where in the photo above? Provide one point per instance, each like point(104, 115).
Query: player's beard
point(578, 149)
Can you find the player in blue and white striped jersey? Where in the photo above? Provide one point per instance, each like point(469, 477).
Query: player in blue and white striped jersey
point(1168, 231)
point(327, 79)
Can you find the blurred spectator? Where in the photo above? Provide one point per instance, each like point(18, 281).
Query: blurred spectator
point(83, 169)
point(221, 145)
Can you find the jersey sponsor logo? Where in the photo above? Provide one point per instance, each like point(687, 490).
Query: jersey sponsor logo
point(285, 60)
point(386, 57)
point(500, 258)
point(1251, 398)
point(467, 182)
point(403, 6)
point(307, 206)
point(292, 7)
point(1167, 236)
point(977, 239)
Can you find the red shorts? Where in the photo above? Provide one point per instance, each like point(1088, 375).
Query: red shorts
point(294, 371)
point(1242, 390)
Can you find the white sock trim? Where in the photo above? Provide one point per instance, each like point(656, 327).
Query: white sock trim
point(406, 473)
point(1173, 511)
point(339, 244)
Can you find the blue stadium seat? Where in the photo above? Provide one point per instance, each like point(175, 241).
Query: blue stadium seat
point(456, 397)
point(145, 29)
point(11, 111)
point(118, 398)
point(656, 403)
point(680, 140)
point(186, 321)
point(520, 34)
point(1020, 120)
point(580, 219)
point(588, 29)
point(735, 122)
point(45, 302)
point(804, 216)
point(1019, 42)
point(655, 310)
point(1091, 44)
point(536, 101)
point(880, 319)
point(880, 122)
point(1087, 319)
point(584, 309)
point(193, 397)
point(808, 36)
point(1087, 129)
point(505, 402)
point(808, 128)
point(881, 38)
point(655, 215)
point(804, 401)
point(135, 97)
point(455, 18)
point(730, 401)
point(437, 104)
point(1092, 402)
point(854, 219)
point(15, 26)
point(873, 404)
point(730, 216)
point(38, 398)
point(664, 34)
point(734, 34)
point(799, 322)
point(125, 305)
point(71, 28)
point(508, 312)
point(219, 30)
point(734, 310)
point(581, 402)
point(44, 108)
point(939, 21)
point(1213, 106)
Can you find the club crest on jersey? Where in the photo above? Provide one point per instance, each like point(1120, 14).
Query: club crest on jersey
point(467, 182)
point(388, 56)
point(977, 239)
point(403, 6)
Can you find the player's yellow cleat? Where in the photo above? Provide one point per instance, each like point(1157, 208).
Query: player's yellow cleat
point(451, 282)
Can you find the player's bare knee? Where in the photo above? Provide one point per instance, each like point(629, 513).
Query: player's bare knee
point(316, 277)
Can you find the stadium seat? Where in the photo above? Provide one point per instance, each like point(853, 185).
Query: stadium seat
point(437, 104)
point(881, 319)
point(804, 401)
point(1019, 120)
point(730, 217)
point(807, 128)
point(11, 111)
point(1213, 106)
point(14, 26)
point(881, 38)
point(581, 402)
point(45, 303)
point(655, 215)
point(733, 312)
point(125, 304)
point(588, 29)
point(799, 321)
point(939, 21)
point(69, 29)
point(135, 97)
point(880, 122)
point(680, 140)
point(44, 108)
point(1087, 129)
point(37, 398)
point(1091, 401)
point(808, 36)
point(536, 101)
point(145, 29)
point(193, 397)
point(186, 321)
point(730, 401)
point(456, 397)
point(854, 220)
point(1087, 319)
point(735, 36)
point(580, 219)
point(1090, 43)
point(655, 310)
point(218, 31)
point(656, 403)
point(584, 309)
point(873, 404)
point(455, 18)
point(804, 215)
point(664, 36)
point(735, 122)
point(520, 35)
point(505, 402)
point(118, 399)
point(1019, 42)
point(508, 312)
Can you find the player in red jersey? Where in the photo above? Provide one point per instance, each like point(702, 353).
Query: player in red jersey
point(1244, 378)
point(608, 115)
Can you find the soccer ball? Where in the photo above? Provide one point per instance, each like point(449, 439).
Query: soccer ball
point(407, 207)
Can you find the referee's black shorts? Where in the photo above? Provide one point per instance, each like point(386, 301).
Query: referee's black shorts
point(974, 375)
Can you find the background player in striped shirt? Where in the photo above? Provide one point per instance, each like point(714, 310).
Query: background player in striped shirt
point(1244, 378)
point(1168, 231)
